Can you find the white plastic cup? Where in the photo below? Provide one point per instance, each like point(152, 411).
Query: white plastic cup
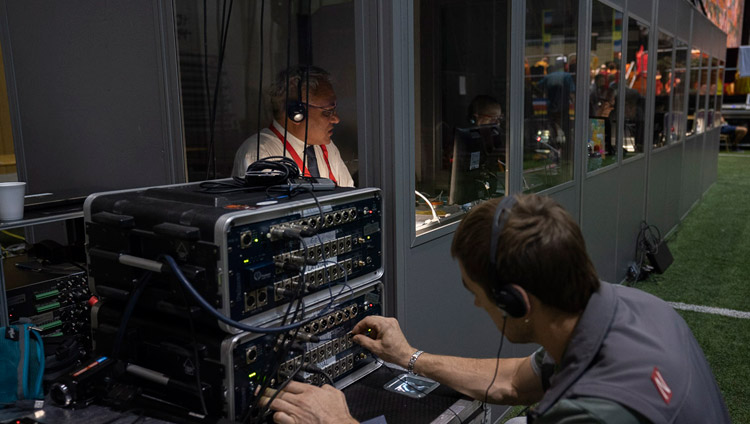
point(11, 201)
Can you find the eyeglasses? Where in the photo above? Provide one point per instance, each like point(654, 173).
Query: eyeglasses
point(326, 111)
point(490, 119)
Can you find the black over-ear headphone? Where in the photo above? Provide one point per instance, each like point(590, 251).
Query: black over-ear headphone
point(506, 297)
point(296, 110)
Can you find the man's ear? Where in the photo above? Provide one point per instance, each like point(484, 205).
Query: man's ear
point(525, 296)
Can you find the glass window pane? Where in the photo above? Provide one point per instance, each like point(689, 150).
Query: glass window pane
point(719, 94)
point(677, 121)
point(461, 79)
point(324, 33)
point(712, 90)
point(663, 88)
point(695, 73)
point(549, 113)
point(702, 115)
point(606, 56)
point(636, 78)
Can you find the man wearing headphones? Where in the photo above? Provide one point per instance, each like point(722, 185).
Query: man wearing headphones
point(485, 110)
point(312, 120)
point(608, 353)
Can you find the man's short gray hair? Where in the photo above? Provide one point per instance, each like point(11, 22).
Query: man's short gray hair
point(297, 75)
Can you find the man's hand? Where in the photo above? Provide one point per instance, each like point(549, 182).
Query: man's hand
point(302, 403)
point(383, 337)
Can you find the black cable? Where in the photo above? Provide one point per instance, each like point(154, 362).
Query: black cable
point(307, 120)
point(223, 32)
point(211, 310)
point(307, 79)
point(286, 338)
point(314, 369)
point(647, 242)
point(281, 387)
point(134, 296)
point(288, 66)
point(273, 170)
point(205, 64)
point(260, 77)
point(222, 187)
point(497, 367)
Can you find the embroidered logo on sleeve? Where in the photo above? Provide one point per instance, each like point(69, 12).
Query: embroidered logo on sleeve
point(661, 386)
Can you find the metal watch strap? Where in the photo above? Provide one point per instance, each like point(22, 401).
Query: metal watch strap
point(413, 360)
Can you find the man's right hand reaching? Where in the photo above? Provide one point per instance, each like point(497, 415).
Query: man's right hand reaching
point(383, 337)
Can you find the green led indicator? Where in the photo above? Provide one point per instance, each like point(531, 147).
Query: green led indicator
point(252, 375)
point(368, 237)
point(256, 240)
point(246, 261)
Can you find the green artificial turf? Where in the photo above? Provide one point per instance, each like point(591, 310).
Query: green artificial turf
point(711, 247)
point(724, 341)
point(711, 250)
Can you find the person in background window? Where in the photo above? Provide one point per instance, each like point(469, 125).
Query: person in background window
point(602, 97)
point(634, 120)
point(315, 122)
point(559, 88)
point(485, 110)
point(735, 132)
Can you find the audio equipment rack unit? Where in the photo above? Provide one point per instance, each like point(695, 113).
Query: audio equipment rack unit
point(161, 354)
point(53, 297)
point(245, 253)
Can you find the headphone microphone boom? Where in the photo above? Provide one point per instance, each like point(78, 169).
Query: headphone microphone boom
point(505, 296)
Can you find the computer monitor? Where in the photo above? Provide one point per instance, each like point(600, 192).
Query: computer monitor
point(478, 159)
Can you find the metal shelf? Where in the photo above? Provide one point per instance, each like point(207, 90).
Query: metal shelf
point(31, 218)
point(41, 218)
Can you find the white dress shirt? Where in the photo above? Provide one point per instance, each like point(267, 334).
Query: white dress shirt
point(271, 145)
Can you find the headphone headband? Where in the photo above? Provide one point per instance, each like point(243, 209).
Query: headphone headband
point(507, 298)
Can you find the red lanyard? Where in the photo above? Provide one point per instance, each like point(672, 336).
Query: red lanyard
point(297, 159)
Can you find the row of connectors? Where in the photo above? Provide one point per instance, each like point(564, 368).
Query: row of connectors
point(317, 252)
point(318, 354)
point(331, 320)
point(340, 367)
point(313, 279)
point(335, 271)
point(255, 299)
point(330, 219)
point(334, 370)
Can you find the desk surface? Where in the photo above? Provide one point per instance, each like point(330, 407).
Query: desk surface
point(366, 399)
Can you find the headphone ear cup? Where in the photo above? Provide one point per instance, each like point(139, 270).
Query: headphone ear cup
point(510, 300)
point(296, 111)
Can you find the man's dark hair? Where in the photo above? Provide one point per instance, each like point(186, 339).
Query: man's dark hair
point(541, 249)
point(481, 103)
point(298, 76)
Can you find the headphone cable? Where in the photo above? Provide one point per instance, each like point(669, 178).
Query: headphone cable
point(288, 66)
point(497, 367)
point(260, 78)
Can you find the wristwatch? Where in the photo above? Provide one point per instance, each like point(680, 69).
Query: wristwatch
point(413, 360)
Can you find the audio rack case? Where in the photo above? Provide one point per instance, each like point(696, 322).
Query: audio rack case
point(223, 245)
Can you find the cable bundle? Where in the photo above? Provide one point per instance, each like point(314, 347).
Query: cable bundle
point(647, 245)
